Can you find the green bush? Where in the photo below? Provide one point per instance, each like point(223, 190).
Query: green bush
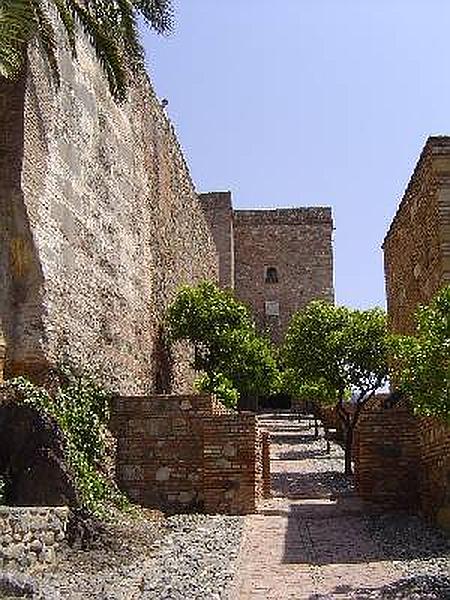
point(2, 490)
point(233, 358)
point(81, 409)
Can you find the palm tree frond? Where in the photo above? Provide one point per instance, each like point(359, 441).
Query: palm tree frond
point(67, 18)
point(17, 27)
point(47, 39)
point(158, 14)
point(107, 52)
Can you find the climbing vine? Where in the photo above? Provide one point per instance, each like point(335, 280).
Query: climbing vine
point(81, 409)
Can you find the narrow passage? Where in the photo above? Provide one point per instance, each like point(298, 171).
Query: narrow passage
point(314, 539)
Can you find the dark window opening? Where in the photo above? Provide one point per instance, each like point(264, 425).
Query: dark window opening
point(271, 275)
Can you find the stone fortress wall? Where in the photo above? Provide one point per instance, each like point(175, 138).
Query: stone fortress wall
point(417, 245)
point(99, 225)
point(403, 460)
point(276, 260)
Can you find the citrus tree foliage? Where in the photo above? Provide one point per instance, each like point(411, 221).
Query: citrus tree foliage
point(233, 358)
point(421, 363)
point(110, 26)
point(81, 409)
point(333, 350)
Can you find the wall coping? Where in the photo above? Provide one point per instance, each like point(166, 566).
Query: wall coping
point(34, 510)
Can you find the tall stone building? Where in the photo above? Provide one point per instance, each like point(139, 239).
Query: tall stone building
point(276, 260)
point(417, 245)
point(100, 224)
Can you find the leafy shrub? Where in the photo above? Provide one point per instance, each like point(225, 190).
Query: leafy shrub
point(235, 360)
point(421, 363)
point(81, 409)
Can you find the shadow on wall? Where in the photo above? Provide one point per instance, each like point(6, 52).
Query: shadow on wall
point(21, 277)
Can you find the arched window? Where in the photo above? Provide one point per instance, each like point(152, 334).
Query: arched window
point(271, 275)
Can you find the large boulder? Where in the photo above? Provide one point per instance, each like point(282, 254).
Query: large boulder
point(33, 456)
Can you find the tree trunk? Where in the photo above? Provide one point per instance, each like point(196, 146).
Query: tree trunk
point(348, 449)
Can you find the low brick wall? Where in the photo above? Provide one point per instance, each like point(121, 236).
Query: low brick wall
point(386, 455)
point(230, 477)
point(434, 488)
point(265, 460)
point(30, 536)
point(404, 461)
point(183, 453)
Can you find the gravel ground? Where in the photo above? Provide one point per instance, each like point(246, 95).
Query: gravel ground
point(196, 560)
point(112, 568)
point(182, 557)
point(420, 552)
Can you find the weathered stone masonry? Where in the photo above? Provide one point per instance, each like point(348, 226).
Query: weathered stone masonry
point(297, 243)
point(417, 265)
point(276, 260)
point(417, 245)
point(99, 226)
point(190, 453)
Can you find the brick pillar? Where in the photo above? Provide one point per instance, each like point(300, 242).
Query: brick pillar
point(266, 464)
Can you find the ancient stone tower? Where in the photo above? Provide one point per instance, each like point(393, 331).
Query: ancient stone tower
point(276, 260)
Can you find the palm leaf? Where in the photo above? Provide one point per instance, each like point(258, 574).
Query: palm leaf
point(47, 39)
point(158, 14)
point(17, 27)
point(107, 51)
point(67, 18)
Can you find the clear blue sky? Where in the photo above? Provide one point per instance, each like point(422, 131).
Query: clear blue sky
point(310, 102)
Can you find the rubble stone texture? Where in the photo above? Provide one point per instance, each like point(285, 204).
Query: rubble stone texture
point(29, 537)
point(99, 226)
point(276, 260)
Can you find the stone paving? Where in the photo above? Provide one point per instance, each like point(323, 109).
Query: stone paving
point(314, 539)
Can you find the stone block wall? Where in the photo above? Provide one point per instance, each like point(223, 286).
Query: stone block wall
point(218, 211)
point(417, 245)
point(100, 224)
point(417, 265)
point(183, 453)
point(30, 537)
point(295, 242)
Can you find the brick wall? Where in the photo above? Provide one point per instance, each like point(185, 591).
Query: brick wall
point(387, 456)
point(219, 215)
point(403, 461)
point(100, 224)
point(189, 453)
point(298, 244)
point(434, 489)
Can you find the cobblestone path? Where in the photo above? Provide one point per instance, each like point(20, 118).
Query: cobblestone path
point(315, 540)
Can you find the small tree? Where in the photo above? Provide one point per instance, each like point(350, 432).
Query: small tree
point(333, 350)
point(234, 359)
point(421, 363)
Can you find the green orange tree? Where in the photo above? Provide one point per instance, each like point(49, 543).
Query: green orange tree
point(335, 351)
point(421, 363)
point(234, 361)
